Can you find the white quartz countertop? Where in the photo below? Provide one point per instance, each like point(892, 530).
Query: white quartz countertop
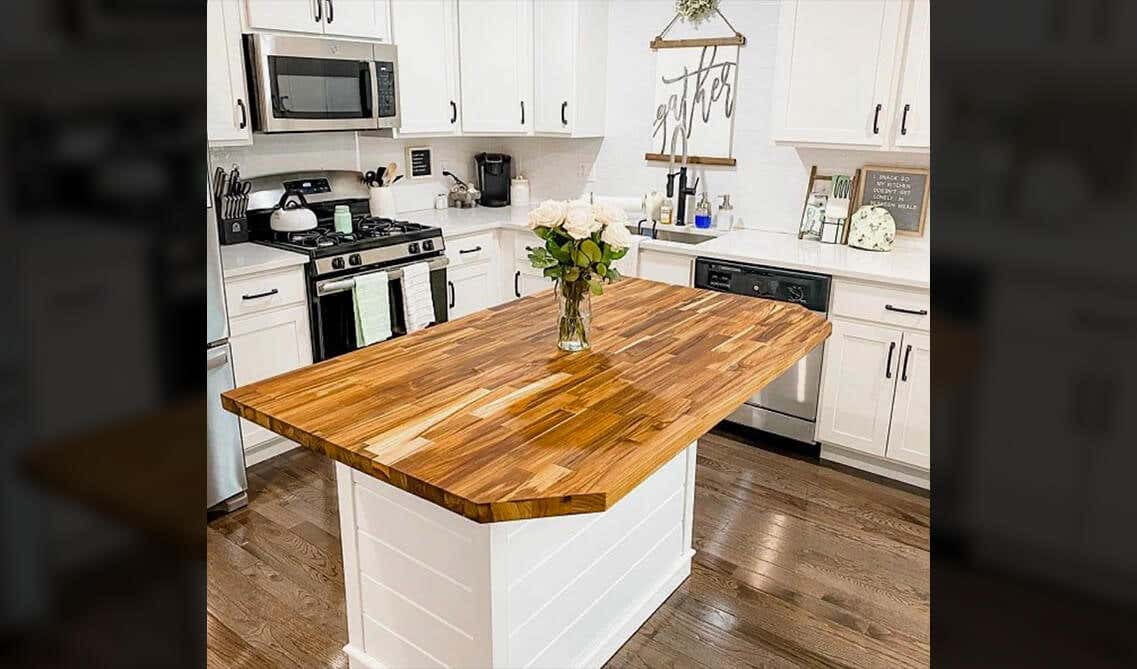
point(249, 258)
point(906, 265)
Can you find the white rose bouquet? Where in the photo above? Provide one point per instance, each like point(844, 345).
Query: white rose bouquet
point(582, 241)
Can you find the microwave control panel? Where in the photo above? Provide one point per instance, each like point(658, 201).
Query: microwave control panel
point(385, 76)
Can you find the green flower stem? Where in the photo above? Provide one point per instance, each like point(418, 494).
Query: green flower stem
point(571, 325)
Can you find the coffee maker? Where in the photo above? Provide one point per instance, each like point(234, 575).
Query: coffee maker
point(493, 178)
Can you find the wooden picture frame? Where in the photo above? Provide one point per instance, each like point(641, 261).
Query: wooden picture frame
point(815, 176)
point(921, 218)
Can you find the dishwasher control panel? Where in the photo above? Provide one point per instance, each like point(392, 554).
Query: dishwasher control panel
point(805, 288)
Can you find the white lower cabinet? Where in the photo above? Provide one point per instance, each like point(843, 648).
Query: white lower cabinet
point(665, 267)
point(265, 342)
point(472, 288)
point(857, 386)
point(911, 436)
point(528, 280)
point(875, 408)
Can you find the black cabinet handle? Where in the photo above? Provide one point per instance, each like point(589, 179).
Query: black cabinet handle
point(319, 11)
point(916, 312)
point(450, 284)
point(904, 372)
point(522, 112)
point(516, 285)
point(453, 112)
point(876, 120)
point(473, 250)
point(244, 115)
point(331, 16)
point(888, 365)
point(904, 120)
point(274, 291)
point(564, 107)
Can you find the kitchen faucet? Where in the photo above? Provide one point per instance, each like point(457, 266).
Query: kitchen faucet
point(684, 190)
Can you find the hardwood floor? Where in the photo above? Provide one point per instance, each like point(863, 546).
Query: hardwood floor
point(797, 564)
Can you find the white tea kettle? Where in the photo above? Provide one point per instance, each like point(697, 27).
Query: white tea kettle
point(292, 214)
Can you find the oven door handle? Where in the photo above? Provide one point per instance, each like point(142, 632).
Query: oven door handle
point(393, 273)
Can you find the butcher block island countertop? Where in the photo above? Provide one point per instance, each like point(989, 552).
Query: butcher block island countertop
point(484, 416)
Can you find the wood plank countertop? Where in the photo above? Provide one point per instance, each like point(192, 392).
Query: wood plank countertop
point(484, 416)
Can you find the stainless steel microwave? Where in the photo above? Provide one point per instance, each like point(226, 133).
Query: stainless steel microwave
point(304, 84)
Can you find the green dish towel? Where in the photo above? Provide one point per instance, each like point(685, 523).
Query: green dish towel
point(372, 308)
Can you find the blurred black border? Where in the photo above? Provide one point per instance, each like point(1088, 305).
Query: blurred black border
point(1034, 445)
point(102, 474)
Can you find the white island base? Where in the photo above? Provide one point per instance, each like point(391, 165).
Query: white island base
point(426, 587)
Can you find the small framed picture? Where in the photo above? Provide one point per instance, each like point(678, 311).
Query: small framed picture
point(420, 162)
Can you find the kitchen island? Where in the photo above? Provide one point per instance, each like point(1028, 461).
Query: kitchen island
point(507, 504)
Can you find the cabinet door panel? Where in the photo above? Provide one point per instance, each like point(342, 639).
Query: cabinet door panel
point(471, 287)
point(665, 267)
point(835, 62)
point(496, 65)
point(857, 385)
point(914, 128)
point(365, 19)
point(293, 15)
point(428, 74)
point(227, 104)
point(554, 53)
point(910, 439)
point(264, 345)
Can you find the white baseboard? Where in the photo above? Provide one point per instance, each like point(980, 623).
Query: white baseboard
point(897, 471)
point(603, 651)
point(357, 659)
point(268, 449)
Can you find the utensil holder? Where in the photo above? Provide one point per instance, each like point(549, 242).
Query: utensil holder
point(381, 202)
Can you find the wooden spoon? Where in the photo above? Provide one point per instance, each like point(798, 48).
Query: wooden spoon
point(392, 169)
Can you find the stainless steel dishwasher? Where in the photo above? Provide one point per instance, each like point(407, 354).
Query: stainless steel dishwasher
point(788, 405)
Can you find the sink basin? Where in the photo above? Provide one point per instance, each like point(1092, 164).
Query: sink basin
point(672, 235)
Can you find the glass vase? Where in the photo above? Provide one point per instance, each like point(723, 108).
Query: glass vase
point(574, 310)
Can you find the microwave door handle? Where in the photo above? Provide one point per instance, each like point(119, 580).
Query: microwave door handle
point(373, 93)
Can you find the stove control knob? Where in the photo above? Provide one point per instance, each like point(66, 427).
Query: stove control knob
point(413, 247)
point(354, 259)
point(797, 293)
point(428, 245)
point(337, 263)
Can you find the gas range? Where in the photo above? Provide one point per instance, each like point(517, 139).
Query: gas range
point(337, 260)
point(372, 240)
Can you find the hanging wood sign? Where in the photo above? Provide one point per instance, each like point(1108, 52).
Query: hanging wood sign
point(696, 84)
point(903, 191)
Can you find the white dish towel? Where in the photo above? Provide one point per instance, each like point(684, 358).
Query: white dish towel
point(418, 304)
point(372, 308)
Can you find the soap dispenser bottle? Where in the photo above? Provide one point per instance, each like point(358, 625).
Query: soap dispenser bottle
point(703, 212)
point(724, 218)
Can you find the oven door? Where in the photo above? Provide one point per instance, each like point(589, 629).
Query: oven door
point(333, 308)
point(305, 84)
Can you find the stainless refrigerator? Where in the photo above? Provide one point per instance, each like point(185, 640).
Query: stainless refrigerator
point(225, 456)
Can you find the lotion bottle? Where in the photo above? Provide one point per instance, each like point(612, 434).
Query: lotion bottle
point(724, 217)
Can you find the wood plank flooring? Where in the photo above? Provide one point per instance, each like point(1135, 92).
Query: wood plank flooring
point(798, 564)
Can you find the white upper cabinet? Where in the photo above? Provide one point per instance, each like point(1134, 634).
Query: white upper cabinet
point(570, 49)
point(357, 19)
point(496, 55)
point(834, 71)
point(426, 32)
point(853, 73)
point(304, 16)
point(911, 436)
point(364, 19)
point(227, 102)
point(912, 117)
